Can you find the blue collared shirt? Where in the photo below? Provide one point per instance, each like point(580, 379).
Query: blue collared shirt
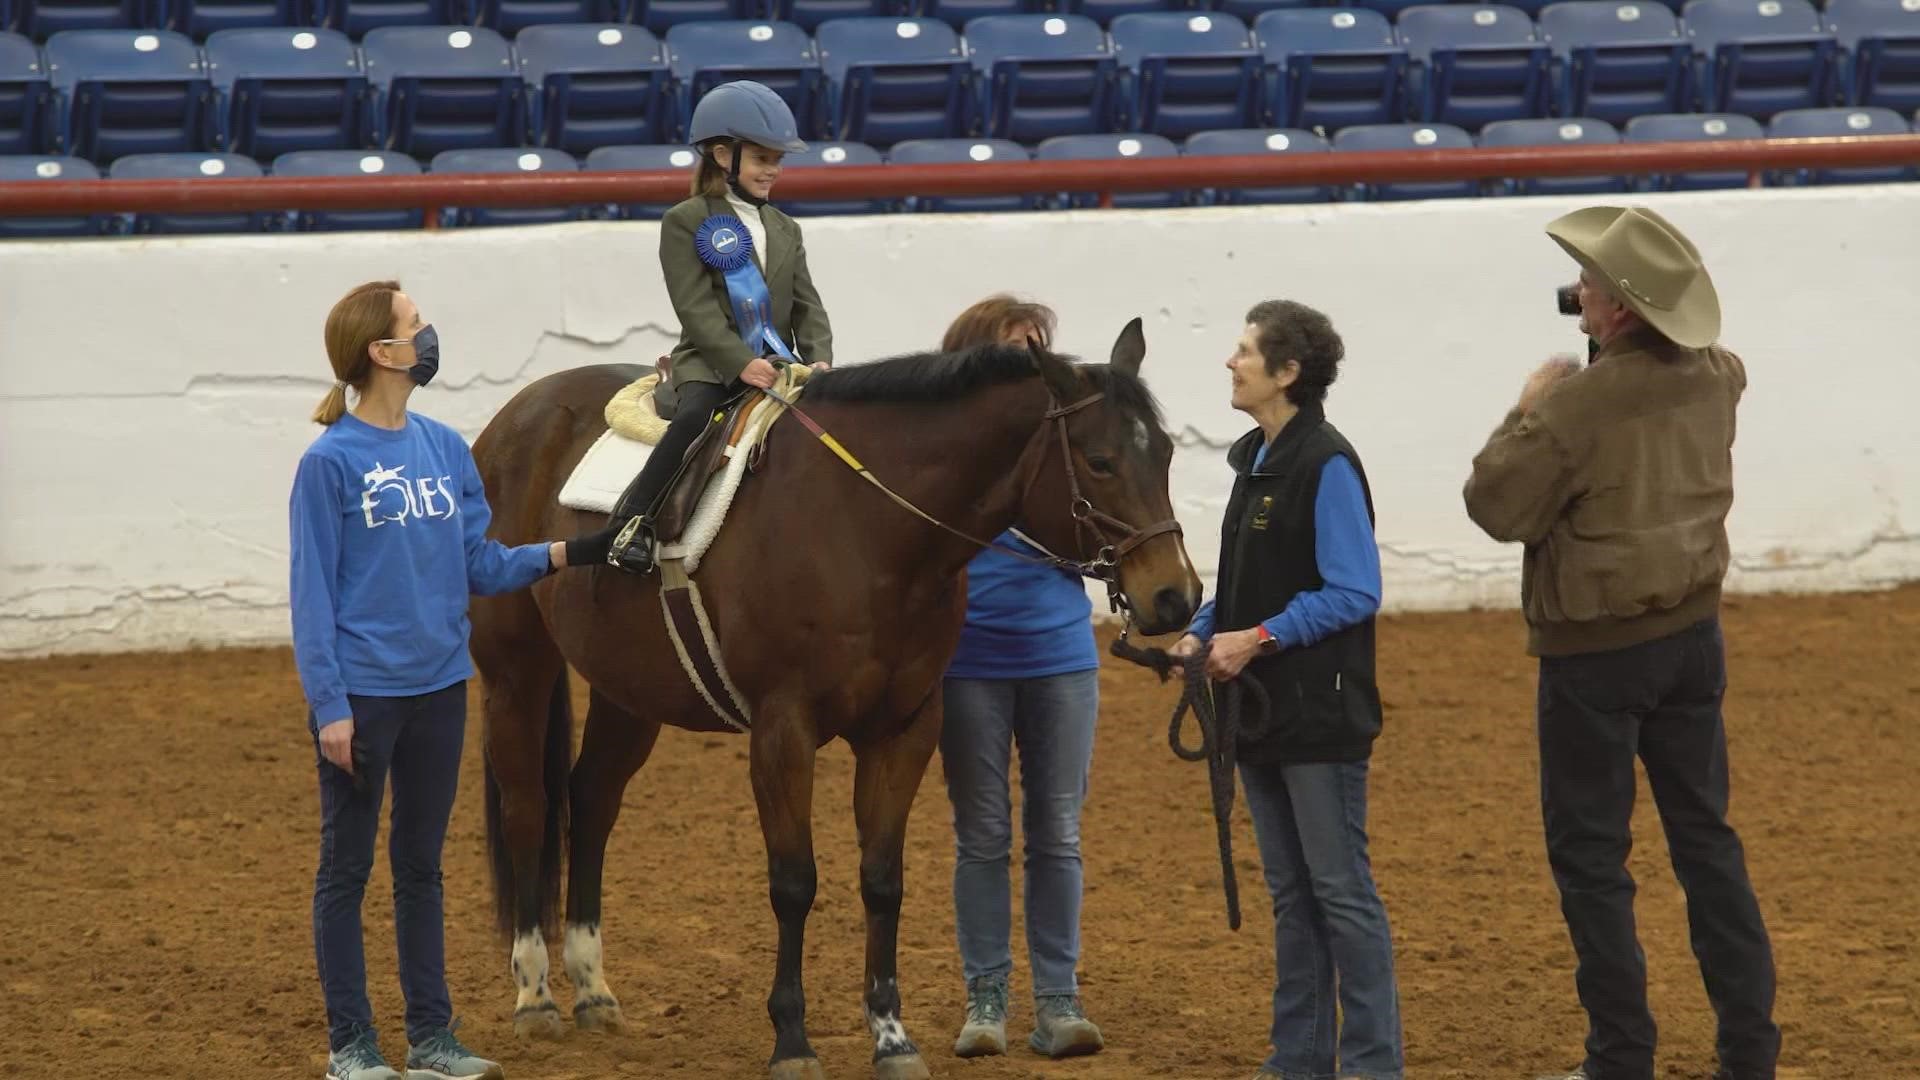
point(1348, 559)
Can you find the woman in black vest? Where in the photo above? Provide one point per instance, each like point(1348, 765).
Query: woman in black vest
point(1299, 585)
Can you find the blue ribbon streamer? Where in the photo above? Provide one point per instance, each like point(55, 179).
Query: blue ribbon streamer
point(723, 243)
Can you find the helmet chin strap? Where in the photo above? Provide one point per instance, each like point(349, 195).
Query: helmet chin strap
point(733, 176)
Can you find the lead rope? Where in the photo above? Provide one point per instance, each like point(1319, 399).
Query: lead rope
point(1219, 736)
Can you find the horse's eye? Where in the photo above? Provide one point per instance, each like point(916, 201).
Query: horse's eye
point(1100, 466)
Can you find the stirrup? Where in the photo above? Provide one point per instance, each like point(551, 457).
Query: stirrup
point(625, 554)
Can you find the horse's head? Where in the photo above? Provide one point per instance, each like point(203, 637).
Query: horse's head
point(1110, 505)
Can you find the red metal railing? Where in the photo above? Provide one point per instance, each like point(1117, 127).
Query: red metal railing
point(431, 191)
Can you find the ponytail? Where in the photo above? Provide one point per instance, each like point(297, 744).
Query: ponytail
point(358, 319)
point(710, 177)
point(333, 406)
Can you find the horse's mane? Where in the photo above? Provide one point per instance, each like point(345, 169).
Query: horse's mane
point(933, 377)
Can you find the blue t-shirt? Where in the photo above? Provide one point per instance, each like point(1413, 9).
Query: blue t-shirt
point(388, 538)
point(1024, 620)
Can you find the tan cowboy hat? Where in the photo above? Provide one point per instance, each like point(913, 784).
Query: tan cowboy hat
point(1646, 262)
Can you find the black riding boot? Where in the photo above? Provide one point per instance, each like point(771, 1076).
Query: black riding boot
point(632, 548)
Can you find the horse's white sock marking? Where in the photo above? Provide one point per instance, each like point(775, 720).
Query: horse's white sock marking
point(584, 968)
point(889, 1035)
point(530, 972)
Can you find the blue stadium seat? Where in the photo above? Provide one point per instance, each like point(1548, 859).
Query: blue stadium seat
point(40, 20)
point(1816, 123)
point(660, 16)
point(705, 54)
point(1474, 64)
point(200, 19)
point(640, 158)
point(505, 160)
point(281, 90)
point(439, 88)
point(1691, 127)
point(595, 85)
point(889, 79)
point(1390, 8)
point(1617, 59)
point(41, 167)
point(1760, 57)
point(1331, 68)
point(191, 167)
point(809, 15)
point(1041, 76)
point(1186, 72)
point(348, 163)
point(1407, 137)
point(1249, 11)
point(1105, 11)
point(959, 14)
point(828, 155)
point(355, 18)
point(1119, 148)
point(120, 92)
point(1584, 131)
point(961, 152)
point(510, 17)
point(1261, 141)
point(24, 97)
point(1880, 59)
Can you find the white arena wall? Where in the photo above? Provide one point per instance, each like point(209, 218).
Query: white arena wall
point(154, 393)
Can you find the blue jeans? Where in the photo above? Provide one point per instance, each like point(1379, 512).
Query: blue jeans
point(418, 741)
point(1052, 720)
point(1329, 926)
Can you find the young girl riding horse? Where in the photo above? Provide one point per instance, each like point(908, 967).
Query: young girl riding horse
point(736, 272)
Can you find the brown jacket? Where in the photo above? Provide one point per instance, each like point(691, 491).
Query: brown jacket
point(1618, 482)
point(710, 348)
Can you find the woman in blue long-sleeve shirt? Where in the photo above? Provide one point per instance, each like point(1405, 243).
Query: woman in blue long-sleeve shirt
point(1026, 672)
point(388, 526)
point(1298, 589)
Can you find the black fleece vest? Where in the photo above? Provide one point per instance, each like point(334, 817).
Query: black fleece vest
point(1325, 705)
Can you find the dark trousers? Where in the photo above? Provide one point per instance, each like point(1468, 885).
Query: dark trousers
point(692, 412)
point(417, 741)
point(1659, 701)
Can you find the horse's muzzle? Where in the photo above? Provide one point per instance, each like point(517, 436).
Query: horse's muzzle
point(1172, 610)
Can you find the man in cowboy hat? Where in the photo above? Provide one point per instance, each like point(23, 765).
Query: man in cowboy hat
point(1618, 478)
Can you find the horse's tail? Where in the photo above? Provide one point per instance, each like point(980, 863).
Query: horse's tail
point(557, 771)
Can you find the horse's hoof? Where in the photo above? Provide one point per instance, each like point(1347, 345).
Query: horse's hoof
point(797, 1069)
point(901, 1067)
point(539, 1022)
point(599, 1014)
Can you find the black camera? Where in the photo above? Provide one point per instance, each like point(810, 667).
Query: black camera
point(1569, 297)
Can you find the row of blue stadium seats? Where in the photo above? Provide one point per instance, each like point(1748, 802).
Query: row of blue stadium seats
point(1117, 148)
point(99, 94)
point(40, 19)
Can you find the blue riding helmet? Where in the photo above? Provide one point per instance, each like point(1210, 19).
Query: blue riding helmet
point(747, 111)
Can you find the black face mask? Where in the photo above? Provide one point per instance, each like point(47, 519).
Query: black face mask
point(426, 355)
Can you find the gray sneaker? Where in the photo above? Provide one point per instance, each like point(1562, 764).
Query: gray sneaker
point(1570, 1074)
point(1060, 1029)
point(985, 1032)
point(360, 1060)
point(441, 1057)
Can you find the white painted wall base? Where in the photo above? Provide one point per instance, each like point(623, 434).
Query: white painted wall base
point(154, 393)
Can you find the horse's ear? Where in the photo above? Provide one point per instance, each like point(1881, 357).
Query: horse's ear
point(1130, 348)
point(1059, 375)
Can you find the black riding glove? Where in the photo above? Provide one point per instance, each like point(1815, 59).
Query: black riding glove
point(590, 548)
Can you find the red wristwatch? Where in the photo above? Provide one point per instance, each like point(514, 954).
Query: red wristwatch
point(1268, 643)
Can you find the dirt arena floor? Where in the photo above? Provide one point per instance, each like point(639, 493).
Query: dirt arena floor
point(160, 821)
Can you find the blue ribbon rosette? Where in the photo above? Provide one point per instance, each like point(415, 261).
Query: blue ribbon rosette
point(723, 243)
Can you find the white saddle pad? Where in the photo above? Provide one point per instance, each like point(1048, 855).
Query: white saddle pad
point(613, 460)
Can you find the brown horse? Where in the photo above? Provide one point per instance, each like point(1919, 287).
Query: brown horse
point(836, 610)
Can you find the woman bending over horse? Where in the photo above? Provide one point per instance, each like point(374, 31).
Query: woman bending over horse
point(736, 271)
point(388, 526)
point(1026, 671)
